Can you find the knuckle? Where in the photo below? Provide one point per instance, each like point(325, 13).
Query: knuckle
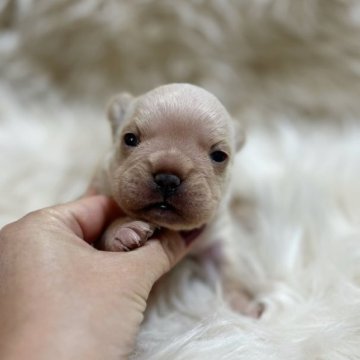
point(28, 224)
point(6, 231)
point(48, 215)
point(10, 232)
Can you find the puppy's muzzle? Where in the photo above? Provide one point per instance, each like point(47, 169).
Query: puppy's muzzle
point(166, 183)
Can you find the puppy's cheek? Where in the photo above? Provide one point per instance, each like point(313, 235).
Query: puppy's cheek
point(129, 187)
point(198, 202)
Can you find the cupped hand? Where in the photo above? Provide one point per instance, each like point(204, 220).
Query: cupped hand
point(60, 298)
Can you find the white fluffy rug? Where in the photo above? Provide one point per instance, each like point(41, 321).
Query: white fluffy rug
point(288, 69)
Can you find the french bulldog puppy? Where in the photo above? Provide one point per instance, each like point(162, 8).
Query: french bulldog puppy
point(169, 166)
point(170, 163)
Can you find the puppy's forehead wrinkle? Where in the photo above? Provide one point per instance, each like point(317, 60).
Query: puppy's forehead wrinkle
point(182, 102)
point(182, 124)
point(180, 109)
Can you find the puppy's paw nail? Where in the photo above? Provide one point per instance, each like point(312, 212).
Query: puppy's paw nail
point(144, 228)
point(241, 302)
point(255, 310)
point(128, 238)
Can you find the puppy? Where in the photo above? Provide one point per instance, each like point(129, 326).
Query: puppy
point(169, 166)
point(170, 163)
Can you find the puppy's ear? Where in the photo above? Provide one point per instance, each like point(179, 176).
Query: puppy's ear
point(117, 108)
point(240, 136)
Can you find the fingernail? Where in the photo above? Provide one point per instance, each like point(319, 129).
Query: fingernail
point(191, 235)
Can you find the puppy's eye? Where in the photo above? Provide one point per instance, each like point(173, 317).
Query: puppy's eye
point(131, 139)
point(218, 156)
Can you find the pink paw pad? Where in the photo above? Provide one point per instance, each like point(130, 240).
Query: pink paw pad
point(130, 236)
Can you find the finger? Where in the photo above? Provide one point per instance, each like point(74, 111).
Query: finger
point(89, 216)
point(160, 255)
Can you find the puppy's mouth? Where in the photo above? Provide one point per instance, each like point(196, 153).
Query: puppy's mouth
point(163, 206)
point(163, 213)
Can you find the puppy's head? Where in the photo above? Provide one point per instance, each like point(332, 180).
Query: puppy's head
point(172, 153)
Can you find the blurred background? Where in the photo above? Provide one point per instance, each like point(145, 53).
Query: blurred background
point(295, 55)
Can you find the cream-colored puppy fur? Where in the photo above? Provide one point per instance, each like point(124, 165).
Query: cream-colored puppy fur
point(170, 163)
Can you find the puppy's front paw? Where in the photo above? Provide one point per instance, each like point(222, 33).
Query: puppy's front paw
point(126, 236)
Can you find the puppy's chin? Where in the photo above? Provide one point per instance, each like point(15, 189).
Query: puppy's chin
point(166, 216)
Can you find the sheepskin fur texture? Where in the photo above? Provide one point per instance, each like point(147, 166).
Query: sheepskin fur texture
point(287, 69)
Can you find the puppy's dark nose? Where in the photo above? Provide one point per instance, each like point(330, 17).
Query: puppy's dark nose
point(167, 183)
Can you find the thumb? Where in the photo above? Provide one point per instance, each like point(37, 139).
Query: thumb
point(161, 254)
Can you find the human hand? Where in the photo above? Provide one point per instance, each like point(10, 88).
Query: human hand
point(60, 298)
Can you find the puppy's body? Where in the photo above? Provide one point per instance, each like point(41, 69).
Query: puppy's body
point(169, 166)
